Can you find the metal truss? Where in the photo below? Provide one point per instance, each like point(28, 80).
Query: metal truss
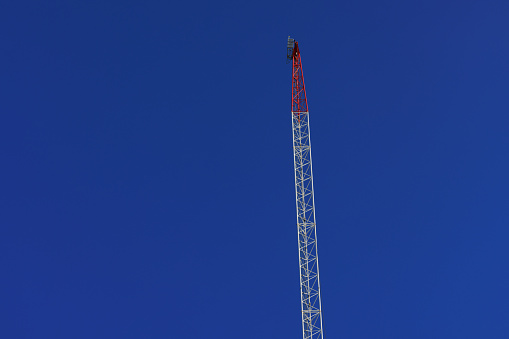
point(306, 225)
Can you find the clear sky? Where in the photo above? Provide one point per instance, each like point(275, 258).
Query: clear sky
point(147, 183)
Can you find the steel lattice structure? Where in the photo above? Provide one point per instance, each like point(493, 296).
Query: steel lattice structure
point(308, 255)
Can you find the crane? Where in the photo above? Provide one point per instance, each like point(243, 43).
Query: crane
point(311, 304)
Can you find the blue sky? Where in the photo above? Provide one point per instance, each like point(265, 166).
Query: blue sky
point(147, 174)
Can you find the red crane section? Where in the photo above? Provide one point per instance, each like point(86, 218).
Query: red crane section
point(299, 100)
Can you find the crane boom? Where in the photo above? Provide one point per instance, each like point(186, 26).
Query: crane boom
point(311, 304)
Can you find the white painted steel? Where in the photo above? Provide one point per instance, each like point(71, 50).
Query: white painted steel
point(306, 224)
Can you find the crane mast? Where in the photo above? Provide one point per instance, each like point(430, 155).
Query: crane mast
point(311, 304)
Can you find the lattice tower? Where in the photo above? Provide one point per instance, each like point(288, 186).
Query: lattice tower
point(304, 192)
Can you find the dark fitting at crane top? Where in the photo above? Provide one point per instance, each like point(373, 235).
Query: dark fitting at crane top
point(289, 49)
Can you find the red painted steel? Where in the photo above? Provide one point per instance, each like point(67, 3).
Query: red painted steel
point(299, 99)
